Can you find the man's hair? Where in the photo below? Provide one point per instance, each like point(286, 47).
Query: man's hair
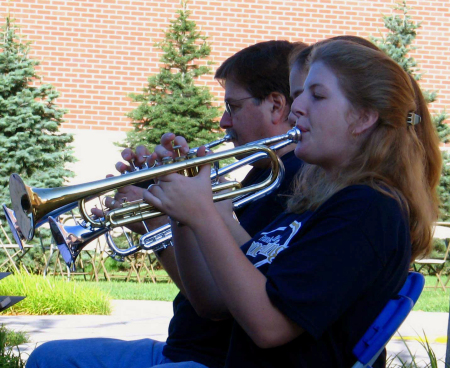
point(261, 68)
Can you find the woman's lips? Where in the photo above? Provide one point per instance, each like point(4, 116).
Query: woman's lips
point(302, 129)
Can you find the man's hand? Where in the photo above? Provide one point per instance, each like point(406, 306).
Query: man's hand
point(136, 160)
point(165, 148)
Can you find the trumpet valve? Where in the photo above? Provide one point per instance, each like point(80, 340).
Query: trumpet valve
point(184, 172)
point(176, 150)
point(191, 155)
point(167, 160)
point(194, 169)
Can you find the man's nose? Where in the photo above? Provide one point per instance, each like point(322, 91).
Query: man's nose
point(226, 121)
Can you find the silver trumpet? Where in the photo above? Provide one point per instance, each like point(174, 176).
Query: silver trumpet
point(34, 204)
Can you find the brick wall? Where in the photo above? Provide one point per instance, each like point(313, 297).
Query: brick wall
point(96, 52)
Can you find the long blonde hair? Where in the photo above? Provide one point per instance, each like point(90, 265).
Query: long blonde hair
point(395, 158)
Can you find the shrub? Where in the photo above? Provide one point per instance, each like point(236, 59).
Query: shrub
point(8, 341)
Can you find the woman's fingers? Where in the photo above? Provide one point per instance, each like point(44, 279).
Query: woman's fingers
point(152, 196)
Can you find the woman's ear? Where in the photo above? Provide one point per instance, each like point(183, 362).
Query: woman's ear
point(278, 101)
point(367, 119)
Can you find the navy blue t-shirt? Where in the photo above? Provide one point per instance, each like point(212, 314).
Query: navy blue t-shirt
point(202, 340)
point(331, 271)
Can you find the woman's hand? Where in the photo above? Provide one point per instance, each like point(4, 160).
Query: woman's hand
point(225, 207)
point(185, 199)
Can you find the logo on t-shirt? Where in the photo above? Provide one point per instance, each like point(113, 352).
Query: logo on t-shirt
point(271, 243)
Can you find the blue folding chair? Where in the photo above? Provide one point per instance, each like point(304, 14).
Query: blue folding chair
point(388, 321)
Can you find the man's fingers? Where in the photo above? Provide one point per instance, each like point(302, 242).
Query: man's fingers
point(110, 202)
point(128, 154)
point(97, 212)
point(180, 141)
point(166, 140)
point(205, 171)
point(121, 167)
point(201, 151)
point(162, 152)
point(142, 154)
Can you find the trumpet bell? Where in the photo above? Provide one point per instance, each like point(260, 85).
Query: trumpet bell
point(13, 226)
point(33, 206)
point(21, 202)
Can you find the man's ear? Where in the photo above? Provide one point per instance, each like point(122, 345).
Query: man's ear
point(367, 119)
point(278, 101)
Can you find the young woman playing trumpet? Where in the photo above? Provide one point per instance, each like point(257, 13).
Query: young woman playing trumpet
point(305, 289)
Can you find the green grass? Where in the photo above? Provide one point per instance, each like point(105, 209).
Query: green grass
point(12, 338)
point(433, 300)
point(53, 296)
point(8, 341)
point(132, 290)
point(57, 296)
point(135, 291)
point(411, 361)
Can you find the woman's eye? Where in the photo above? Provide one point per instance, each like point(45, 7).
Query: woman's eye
point(317, 97)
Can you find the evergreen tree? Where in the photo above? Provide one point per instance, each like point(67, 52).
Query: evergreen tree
point(30, 143)
point(172, 102)
point(397, 44)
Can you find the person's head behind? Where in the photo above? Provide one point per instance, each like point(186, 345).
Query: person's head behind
point(298, 59)
point(392, 156)
point(300, 55)
point(256, 82)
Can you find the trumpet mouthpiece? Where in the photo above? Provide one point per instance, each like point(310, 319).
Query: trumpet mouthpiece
point(295, 135)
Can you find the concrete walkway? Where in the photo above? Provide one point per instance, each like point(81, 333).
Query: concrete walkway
point(133, 320)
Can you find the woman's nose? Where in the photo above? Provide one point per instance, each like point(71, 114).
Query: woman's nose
point(297, 108)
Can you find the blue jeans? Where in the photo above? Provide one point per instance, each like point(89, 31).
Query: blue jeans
point(103, 353)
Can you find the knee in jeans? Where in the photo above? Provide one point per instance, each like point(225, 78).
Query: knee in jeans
point(39, 355)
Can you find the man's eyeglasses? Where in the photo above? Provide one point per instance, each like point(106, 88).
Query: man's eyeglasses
point(228, 108)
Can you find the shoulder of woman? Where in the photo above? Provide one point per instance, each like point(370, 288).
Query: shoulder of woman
point(355, 200)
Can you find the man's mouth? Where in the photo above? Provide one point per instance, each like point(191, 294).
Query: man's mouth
point(232, 134)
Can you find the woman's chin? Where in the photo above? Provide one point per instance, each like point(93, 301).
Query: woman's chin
point(299, 151)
